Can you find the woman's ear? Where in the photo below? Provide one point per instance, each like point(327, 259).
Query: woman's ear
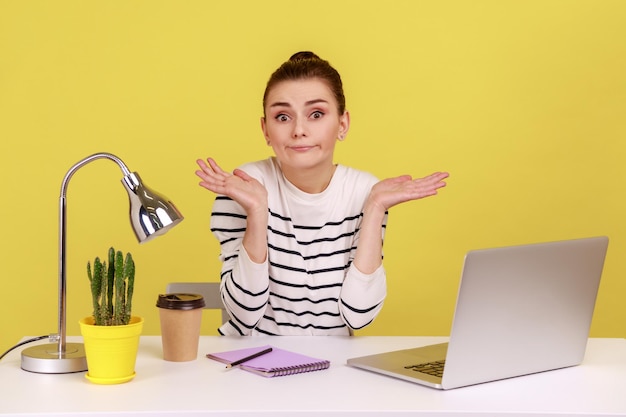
point(344, 125)
point(264, 129)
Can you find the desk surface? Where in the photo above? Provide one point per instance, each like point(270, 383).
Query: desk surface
point(205, 388)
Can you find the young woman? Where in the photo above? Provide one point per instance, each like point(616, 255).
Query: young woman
point(301, 237)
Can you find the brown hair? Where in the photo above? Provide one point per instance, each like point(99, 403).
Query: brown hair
point(305, 65)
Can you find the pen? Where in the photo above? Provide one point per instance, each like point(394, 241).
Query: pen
point(247, 358)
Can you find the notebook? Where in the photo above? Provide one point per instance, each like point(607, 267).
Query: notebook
point(520, 310)
point(278, 362)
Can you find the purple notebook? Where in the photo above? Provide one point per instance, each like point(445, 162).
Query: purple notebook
point(278, 362)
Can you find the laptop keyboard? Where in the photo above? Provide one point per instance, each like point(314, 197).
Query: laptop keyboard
point(431, 368)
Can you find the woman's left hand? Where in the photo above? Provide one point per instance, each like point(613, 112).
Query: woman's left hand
point(393, 191)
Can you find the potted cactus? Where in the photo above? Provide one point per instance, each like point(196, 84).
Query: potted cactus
point(111, 333)
point(112, 288)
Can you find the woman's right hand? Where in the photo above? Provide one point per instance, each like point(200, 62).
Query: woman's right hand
point(239, 186)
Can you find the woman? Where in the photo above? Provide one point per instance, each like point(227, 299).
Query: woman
point(301, 237)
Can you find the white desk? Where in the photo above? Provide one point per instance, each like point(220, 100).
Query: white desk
point(204, 388)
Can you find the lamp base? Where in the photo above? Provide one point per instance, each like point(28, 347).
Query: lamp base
point(46, 359)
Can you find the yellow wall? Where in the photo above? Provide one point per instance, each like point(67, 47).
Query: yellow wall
point(523, 102)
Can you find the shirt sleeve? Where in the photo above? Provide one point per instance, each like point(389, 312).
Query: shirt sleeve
point(363, 295)
point(244, 283)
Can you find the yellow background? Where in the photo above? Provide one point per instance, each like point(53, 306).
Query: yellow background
point(523, 102)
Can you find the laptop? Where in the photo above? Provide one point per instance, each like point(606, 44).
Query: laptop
point(520, 310)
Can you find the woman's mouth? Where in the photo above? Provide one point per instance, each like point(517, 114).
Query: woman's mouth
point(301, 148)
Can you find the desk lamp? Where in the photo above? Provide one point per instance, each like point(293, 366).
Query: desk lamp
point(151, 214)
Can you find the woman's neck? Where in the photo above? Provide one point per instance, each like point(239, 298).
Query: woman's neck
point(311, 181)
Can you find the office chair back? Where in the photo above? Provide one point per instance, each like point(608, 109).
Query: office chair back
point(209, 290)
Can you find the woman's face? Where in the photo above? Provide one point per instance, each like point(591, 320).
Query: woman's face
point(302, 123)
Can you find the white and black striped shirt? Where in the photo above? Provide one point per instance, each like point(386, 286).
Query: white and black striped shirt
point(307, 285)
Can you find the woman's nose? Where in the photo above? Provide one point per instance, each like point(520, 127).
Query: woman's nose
point(299, 129)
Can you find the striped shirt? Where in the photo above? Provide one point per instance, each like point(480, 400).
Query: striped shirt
point(307, 285)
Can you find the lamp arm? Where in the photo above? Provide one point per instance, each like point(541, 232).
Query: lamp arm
point(62, 240)
point(87, 160)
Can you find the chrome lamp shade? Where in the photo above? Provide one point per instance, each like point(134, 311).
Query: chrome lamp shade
point(151, 214)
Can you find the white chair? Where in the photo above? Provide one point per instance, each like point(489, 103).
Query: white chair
point(209, 290)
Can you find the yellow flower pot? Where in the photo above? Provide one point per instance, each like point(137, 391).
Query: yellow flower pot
point(111, 350)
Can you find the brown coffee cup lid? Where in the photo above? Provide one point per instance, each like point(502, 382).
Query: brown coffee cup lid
point(180, 301)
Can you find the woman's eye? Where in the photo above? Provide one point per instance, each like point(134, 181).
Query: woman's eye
point(282, 118)
point(317, 114)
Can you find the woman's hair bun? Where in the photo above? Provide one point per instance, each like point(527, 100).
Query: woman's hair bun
point(302, 55)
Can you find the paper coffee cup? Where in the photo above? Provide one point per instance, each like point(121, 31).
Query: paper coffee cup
point(180, 315)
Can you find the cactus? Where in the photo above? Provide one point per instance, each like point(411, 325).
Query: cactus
point(112, 288)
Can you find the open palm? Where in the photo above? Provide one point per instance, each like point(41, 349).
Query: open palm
point(393, 191)
point(239, 186)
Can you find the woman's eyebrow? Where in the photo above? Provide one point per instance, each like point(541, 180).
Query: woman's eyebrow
point(308, 103)
point(280, 104)
point(316, 101)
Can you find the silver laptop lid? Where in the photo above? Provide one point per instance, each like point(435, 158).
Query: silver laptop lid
point(520, 310)
point(523, 309)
